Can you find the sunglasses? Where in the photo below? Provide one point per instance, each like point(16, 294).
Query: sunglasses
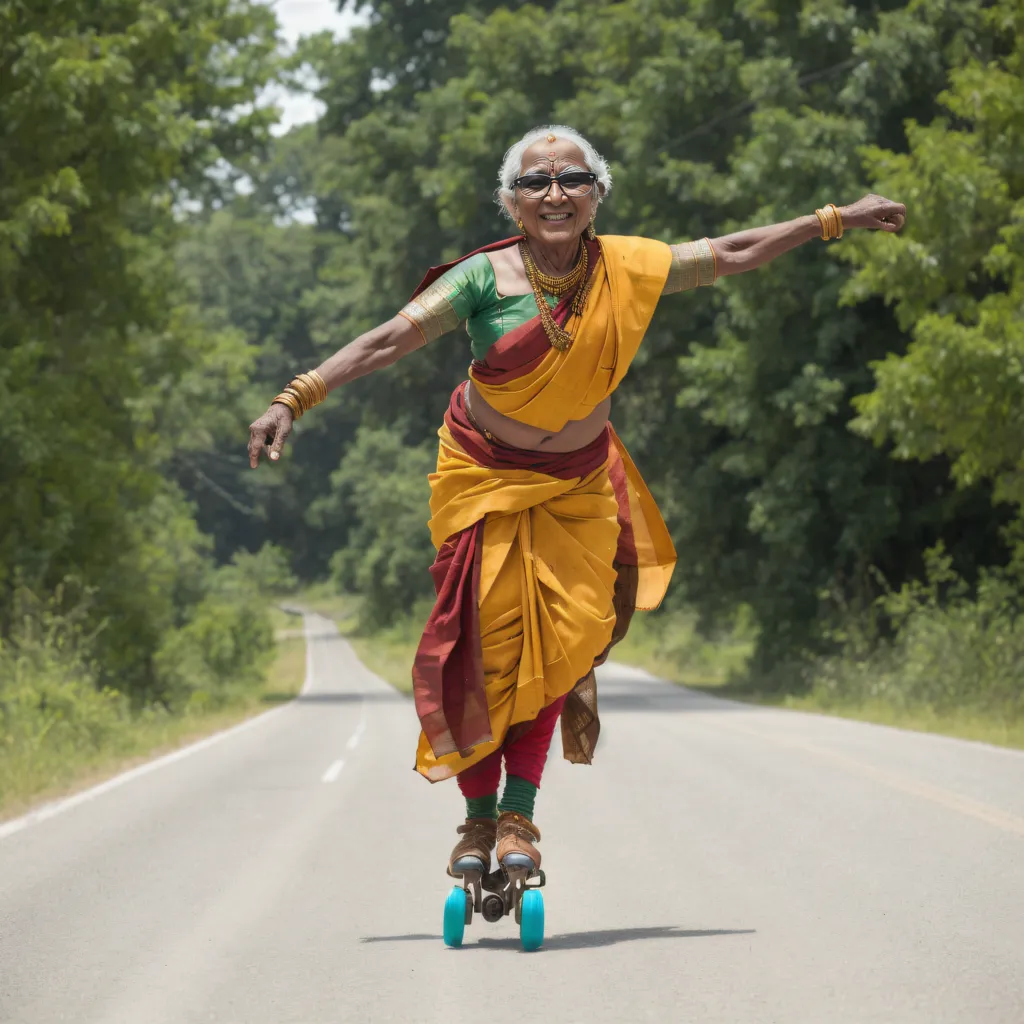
point(572, 183)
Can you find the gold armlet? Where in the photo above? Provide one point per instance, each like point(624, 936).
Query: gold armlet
point(432, 312)
point(693, 265)
point(305, 391)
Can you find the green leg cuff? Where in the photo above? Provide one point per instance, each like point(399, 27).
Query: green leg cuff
point(482, 806)
point(519, 796)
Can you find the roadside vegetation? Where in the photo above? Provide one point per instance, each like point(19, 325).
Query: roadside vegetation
point(63, 726)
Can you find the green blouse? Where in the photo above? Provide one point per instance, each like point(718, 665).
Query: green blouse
point(468, 294)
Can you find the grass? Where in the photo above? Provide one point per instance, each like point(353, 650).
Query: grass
point(669, 647)
point(28, 782)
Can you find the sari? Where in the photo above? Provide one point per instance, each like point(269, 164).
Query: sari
point(539, 554)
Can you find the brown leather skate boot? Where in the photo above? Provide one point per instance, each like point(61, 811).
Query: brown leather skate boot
point(516, 836)
point(473, 851)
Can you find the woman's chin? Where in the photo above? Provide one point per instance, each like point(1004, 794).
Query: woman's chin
point(558, 232)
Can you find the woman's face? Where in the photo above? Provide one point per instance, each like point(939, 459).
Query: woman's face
point(555, 218)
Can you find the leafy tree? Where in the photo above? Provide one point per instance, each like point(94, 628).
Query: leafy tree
point(956, 277)
point(114, 114)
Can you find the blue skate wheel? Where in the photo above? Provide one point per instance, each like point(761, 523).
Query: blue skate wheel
point(455, 917)
point(531, 920)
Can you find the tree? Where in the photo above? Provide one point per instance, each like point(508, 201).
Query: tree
point(114, 114)
point(956, 277)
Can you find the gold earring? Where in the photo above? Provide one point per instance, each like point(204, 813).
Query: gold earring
point(591, 233)
point(522, 230)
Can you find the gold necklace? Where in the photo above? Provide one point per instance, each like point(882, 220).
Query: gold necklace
point(560, 338)
point(565, 283)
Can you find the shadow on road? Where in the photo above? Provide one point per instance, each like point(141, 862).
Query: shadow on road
point(336, 698)
point(659, 697)
point(577, 940)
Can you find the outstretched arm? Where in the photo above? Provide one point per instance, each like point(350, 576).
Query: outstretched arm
point(439, 308)
point(747, 250)
point(371, 351)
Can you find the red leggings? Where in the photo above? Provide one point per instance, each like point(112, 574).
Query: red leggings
point(524, 756)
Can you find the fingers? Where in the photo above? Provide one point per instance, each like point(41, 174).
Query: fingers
point(893, 216)
point(281, 433)
point(257, 439)
point(268, 435)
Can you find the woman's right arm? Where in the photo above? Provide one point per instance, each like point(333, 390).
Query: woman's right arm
point(371, 351)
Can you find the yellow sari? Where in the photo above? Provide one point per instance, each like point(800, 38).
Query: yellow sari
point(546, 572)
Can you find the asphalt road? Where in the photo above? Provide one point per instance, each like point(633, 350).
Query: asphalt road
point(719, 862)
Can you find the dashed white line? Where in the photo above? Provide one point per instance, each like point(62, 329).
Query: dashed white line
point(333, 772)
point(353, 740)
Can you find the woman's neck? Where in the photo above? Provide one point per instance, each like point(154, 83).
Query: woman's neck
point(556, 260)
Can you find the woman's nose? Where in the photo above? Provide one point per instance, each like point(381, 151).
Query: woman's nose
point(555, 193)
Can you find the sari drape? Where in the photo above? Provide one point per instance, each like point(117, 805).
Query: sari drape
point(531, 545)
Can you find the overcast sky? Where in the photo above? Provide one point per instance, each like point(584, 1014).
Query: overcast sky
point(303, 18)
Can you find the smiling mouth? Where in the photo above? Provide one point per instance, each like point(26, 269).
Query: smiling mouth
point(555, 216)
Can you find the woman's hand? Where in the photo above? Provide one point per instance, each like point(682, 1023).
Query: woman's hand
point(269, 433)
point(876, 213)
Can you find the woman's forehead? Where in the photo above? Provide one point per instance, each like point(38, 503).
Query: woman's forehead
point(563, 152)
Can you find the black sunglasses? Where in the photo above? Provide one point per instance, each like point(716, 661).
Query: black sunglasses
point(572, 183)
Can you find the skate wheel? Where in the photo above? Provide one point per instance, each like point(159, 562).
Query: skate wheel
point(455, 917)
point(531, 921)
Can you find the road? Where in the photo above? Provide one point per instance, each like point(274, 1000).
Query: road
point(719, 862)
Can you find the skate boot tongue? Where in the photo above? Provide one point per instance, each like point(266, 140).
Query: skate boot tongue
point(516, 838)
point(472, 852)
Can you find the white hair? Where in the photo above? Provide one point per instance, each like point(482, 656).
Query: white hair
point(512, 165)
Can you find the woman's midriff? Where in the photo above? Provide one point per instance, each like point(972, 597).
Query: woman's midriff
point(574, 435)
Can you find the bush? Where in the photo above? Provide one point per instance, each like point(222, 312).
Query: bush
point(951, 648)
point(223, 648)
point(52, 712)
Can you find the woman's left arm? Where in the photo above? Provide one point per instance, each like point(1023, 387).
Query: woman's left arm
point(747, 250)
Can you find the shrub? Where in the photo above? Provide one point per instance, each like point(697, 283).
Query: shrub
point(52, 713)
point(951, 647)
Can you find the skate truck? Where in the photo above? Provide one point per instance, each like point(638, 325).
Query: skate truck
point(514, 887)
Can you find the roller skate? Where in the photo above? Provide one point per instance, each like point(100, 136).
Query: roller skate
point(508, 888)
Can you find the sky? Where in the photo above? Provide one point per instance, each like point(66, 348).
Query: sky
point(303, 18)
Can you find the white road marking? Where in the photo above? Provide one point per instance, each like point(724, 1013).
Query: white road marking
point(353, 740)
point(60, 806)
point(333, 772)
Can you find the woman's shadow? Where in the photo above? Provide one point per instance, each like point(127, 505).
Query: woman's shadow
point(577, 940)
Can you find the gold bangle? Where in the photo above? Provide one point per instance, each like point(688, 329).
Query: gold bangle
point(823, 222)
point(312, 389)
point(289, 401)
point(831, 221)
point(321, 382)
point(304, 391)
point(839, 220)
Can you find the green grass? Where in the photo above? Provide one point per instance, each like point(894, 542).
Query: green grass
point(667, 646)
point(37, 774)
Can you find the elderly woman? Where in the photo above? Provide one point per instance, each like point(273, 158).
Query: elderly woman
point(546, 535)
